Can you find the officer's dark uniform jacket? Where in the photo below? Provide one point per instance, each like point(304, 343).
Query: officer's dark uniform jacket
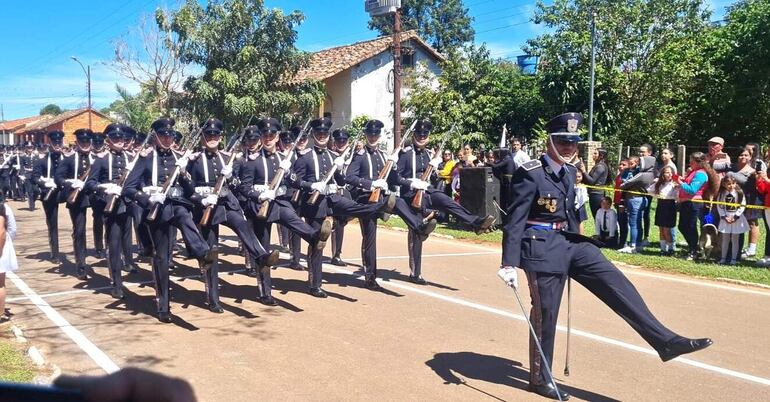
point(412, 163)
point(152, 170)
point(540, 198)
point(204, 171)
point(310, 168)
point(109, 169)
point(257, 172)
point(27, 162)
point(73, 167)
point(45, 168)
point(364, 169)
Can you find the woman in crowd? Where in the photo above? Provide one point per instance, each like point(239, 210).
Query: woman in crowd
point(598, 176)
point(666, 190)
point(635, 187)
point(744, 174)
point(701, 181)
point(618, 201)
point(667, 159)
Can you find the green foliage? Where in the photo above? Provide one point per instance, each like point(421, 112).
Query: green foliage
point(648, 52)
point(138, 111)
point(445, 24)
point(356, 126)
point(733, 94)
point(51, 109)
point(249, 58)
point(478, 94)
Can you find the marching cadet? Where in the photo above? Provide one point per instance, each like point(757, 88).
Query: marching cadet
point(141, 227)
point(310, 172)
point(70, 177)
point(103, 181)
point(340, 143)
point(27, 162)
point(204, 172)
point(144, 186)
point(412, 163)
point(363, 177)
point(43, 174)
point(5, 172)
point(16, 187)
point(543, 220)
point(300, 140)
point(257, 172)
point(96, 201)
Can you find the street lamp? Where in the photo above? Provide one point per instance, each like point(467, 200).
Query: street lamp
point(87, 71)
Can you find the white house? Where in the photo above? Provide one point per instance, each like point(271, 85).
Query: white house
point(358, 78)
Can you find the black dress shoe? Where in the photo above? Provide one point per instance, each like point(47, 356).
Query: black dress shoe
point(282, 249)
point(428, 227)
point(81, 273)
point(296, 266)
point(417, 279)
point(54, 258)
point(389, 204)
point(681, 345)
point(547, 390)
point(318, 292)
point(371, 284)
point(130, 268)
point(338, 262)
point(117, 293)
point(485, 224)
point(216, 308)
point(268, 301)
point(164, 316)
point(270, 259)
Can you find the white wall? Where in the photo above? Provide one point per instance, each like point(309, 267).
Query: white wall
point(338, 98)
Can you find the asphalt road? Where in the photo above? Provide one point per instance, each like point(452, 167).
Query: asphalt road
point(461, 337)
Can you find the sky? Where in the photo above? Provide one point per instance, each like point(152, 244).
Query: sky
point(38, 42)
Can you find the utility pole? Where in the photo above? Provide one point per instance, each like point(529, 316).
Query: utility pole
point(397, 77)
point(88, 87)
point(593, 76)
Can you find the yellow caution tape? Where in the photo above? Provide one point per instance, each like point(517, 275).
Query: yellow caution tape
point(727, 204)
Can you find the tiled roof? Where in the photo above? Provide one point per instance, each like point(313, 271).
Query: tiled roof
point(12, 125)
point(43, 124)
point(329, 62)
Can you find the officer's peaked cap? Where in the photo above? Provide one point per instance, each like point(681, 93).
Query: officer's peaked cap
point(163, 125)
point(565, 125)
point(212, 126)
point(322, 124)
point(373, 127)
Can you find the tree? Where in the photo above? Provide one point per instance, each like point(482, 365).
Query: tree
point(51, 109)
point(249, 58)
point(138, 111)
point(155, 63)
point(648, 54)
point(733, 94)
point(479, 95)
point(445, 24)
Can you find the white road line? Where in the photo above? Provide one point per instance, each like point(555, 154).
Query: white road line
point(96, 354)
point(598, 338)
point(401, 257)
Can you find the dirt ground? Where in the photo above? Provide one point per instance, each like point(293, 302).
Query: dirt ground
point(461, 337)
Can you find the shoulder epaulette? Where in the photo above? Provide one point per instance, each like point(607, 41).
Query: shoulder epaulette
point(405, 149)
point(304, 151)
point(531, 165)
point(193, 156)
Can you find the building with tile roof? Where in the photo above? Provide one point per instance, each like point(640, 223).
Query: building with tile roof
point(68, 122)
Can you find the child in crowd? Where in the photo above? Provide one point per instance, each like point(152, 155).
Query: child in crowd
point(606, 224)
point(666, 191)
point(732, 223)
point(581, 198)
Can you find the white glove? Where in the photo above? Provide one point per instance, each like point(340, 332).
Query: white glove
point(114, 190)
point(77, 184)
point(130, 165)
point(393, 157)
point(210, 199)
point(339, 162)
point(157, 198)
point(22, 177)
point(285, 165)
point(319, 186)
point(380, 183)
point(331, 188)
point(182, 162)
point(509, 276)
point(227, 172)
point(418, 185)
point(435, 162)
point(267, 195)
point(49, 183)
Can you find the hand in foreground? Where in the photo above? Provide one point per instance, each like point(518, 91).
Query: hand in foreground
point(130, 385)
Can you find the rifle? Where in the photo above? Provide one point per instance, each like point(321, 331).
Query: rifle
point(278, 178)
point(73, 196)
point(417, 200)
point(330, 174)
point(113, 199)
point(375, 196)
point(221, 178)
point(177, 170)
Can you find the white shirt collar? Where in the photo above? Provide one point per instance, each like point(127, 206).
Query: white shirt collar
point(556, 167)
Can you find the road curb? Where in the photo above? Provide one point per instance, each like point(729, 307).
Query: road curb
point(38, 360)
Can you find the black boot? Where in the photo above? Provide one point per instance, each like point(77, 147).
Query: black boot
point(547, 390)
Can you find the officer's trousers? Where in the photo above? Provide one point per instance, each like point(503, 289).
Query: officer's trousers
point(591, 269)
point(97, 214)
point(338, 235)
point(30, 189)
point(441, 202)
point(141, 228)
point(118, 245)
point(78, 218)
point(181, 219)
point(51, 209)
point(414, 244)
